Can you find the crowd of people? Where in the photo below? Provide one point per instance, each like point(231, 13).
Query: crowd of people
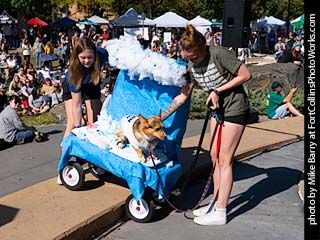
point(41, 86)
point(282, 46)
point(38, 88)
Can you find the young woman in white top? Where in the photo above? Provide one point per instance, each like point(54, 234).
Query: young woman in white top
point(26, 48)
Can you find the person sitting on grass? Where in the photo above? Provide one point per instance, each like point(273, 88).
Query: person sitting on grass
point(279, 106)
point(12, 130)
point(37, 102)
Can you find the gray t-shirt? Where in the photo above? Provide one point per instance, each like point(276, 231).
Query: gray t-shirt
point(10, 123)
point(220, 68)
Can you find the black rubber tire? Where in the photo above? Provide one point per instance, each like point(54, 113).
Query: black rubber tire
point(142, 212)
point(72, 176)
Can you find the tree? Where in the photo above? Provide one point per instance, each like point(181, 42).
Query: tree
point(276, 8)
point(32, 8)
point(5, 5)
point(154, 8)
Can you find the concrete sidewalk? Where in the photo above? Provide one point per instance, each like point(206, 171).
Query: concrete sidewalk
point(48, 211)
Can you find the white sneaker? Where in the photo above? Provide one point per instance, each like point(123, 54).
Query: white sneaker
point(217, 217)
point(205, 209)
point(58, 180)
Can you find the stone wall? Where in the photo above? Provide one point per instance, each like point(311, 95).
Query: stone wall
point(288, 74)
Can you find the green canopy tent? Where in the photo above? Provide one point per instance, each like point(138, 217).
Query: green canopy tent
point(298, 22)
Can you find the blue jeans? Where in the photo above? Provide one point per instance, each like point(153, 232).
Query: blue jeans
point(38, 60)
point(24, 136)
point(281, 112)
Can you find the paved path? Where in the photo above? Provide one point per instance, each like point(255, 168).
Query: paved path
point(47, 211)
point(24, 165)
point(264, 204)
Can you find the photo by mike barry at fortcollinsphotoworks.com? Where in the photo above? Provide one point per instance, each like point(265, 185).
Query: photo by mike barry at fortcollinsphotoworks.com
point(311, 193)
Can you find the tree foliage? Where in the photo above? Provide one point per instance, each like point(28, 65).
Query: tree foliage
point(210, 9)
point(32, 8)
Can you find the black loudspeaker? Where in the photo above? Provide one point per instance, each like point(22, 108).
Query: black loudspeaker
point(236, 23)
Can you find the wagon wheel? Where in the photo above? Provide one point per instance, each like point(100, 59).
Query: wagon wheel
point(72, 176)
point(141, 211)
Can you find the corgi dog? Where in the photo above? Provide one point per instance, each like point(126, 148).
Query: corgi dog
point(142, 133)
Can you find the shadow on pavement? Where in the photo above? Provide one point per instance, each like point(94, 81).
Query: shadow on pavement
point(91, 184)
point(7, 214)
point(278, 179)
point(53, 132)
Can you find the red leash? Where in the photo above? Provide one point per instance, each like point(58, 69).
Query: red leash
point(218, 128)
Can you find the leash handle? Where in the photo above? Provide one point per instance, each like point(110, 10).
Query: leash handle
point(216, 115)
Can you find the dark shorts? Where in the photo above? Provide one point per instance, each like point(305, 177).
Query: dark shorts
point(88, 92)
point(239, 119)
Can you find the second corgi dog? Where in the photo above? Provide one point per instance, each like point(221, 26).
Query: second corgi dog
point(142, 133)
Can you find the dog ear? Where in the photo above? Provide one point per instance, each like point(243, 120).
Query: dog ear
point(159, 115)
point(141, 118)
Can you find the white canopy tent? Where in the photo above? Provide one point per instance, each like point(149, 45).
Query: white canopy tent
point(131, 18)
point(201, 24)
point(98, 20)
point(170, 19)
point(200, 21)
point(6, 18)
point(272, 21)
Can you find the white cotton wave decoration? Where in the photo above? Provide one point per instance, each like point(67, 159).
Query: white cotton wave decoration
point(127, 53)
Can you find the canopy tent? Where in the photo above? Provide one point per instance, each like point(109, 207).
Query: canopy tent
point(131, 18)
point(64, 22)
point(98, 20)
point(201, 24)
point(200, 21)
point(298, 23)
point(272, 21)
point(5, 17)
point(36, 21)
point(217, 23)
point(170, 19)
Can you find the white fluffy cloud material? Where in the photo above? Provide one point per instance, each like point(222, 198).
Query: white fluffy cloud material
point(127, 53)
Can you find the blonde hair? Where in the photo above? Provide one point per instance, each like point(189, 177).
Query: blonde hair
point(14, 83)
point(76, 68)
point(192, 39)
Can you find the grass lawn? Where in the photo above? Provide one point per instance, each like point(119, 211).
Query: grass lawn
point(41, 119)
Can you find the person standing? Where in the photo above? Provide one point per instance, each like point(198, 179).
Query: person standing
point(217, 71)
point(38, 49)
point(26, 49)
